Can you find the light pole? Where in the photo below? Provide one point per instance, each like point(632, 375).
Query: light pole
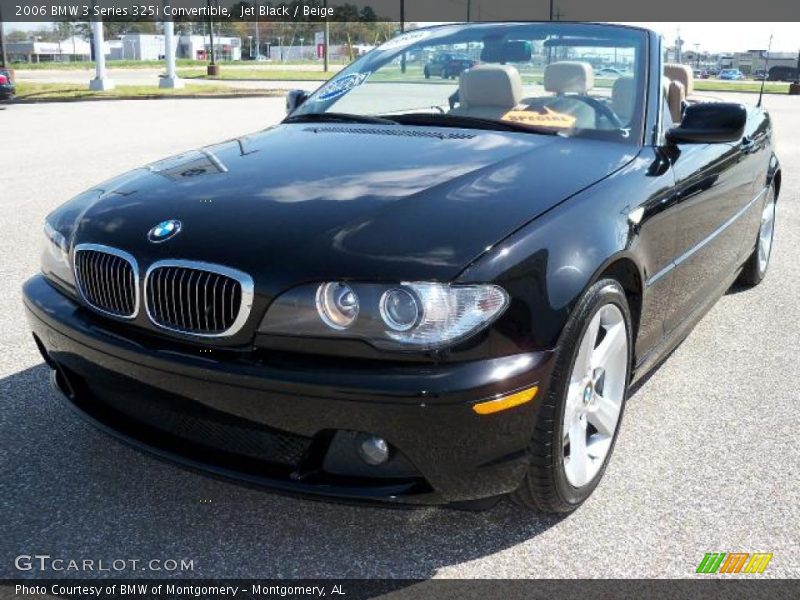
point(171, 81)
point(100, 82)
point(250, 41)
point(301, 48)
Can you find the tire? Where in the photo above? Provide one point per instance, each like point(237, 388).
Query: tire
point(757, 265)
point(547, 485)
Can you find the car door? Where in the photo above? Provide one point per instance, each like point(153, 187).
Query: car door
point(712, 184)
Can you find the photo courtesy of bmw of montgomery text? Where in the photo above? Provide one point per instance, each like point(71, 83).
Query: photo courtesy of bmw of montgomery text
point(415, 290)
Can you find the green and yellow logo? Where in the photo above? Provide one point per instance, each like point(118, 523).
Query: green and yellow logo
point(734, 562)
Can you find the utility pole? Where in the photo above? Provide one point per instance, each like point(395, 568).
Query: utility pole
point(469, 9)
point(213, 68)
point(3, 58)
point(551, 9)
point(794, 87)
point(326, 38)
point(258, 39)
point(402, 29)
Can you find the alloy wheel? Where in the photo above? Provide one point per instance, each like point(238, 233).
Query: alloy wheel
point(765, 233)
point(595, 394)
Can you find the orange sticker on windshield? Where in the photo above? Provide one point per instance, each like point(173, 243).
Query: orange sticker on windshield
point(545, 118)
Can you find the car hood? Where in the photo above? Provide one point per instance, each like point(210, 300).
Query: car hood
point(304, 202)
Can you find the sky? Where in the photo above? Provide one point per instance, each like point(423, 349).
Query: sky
point(731, 37)
point(712, 37)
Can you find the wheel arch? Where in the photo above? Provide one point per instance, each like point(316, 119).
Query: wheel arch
point(775, 174)
point(624, 269)
point(776, 179)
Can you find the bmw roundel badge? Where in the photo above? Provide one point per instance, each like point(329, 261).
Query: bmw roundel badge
point(164, 231)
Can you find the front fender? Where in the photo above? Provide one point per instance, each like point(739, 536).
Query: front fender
point(547, 265)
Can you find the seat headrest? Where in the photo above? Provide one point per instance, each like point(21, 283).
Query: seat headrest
point(569, 77)
point(681, 74)
point(490, 85)
point(623, 96)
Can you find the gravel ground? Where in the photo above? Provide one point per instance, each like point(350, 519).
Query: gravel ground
point(707, 459)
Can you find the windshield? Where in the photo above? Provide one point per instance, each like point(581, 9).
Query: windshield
point(565, 78)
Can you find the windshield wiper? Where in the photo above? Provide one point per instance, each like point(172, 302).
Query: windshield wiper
point(334, 117)
point(450, 120)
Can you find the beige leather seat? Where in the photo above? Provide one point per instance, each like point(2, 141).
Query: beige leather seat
point(623, 98)
point(676, 97)
point(570, 77)
point(681, 85)
point(488, 91)
point(681, 74)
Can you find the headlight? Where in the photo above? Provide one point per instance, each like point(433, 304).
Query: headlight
point(55, 257)
point(337, 305)
point(408, 316)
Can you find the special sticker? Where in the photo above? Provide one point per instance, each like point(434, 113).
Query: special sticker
point(543, 118)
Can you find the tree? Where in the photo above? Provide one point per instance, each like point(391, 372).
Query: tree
point(64, 29)
point(17, 36)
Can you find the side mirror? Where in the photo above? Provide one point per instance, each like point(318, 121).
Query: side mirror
point(710, 123)
point(294, 99)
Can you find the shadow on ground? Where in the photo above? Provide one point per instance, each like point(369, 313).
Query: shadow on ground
point(71, 491)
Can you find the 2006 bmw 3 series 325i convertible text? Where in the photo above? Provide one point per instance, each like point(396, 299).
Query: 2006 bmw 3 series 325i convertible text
point(425, 291)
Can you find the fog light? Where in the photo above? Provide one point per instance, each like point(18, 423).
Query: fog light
point(372, 449)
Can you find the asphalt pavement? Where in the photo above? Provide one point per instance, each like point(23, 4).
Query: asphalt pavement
point(707, 459)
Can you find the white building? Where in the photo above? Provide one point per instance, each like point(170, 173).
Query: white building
point(141, 46)
point(71, 49)
point(198, 47)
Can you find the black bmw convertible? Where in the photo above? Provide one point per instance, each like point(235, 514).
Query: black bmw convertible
point(414, 290)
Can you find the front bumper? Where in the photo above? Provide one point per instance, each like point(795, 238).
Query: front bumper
point(275, 422)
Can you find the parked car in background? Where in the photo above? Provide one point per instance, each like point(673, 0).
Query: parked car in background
point(609, 72)
point(760, 74)
point(779, 73)
point(7, 88)
point(448, 65)
point(731, 75)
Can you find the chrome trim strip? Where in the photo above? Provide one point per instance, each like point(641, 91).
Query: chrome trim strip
point(681, 258)
point(245, 306)
point(81, 282)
